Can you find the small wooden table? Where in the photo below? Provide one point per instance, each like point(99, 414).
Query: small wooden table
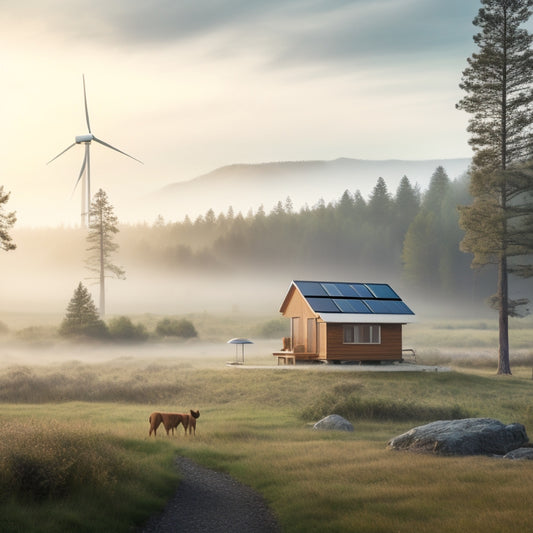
point(285, 358)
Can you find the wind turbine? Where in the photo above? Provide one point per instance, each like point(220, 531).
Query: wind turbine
point(85, 172)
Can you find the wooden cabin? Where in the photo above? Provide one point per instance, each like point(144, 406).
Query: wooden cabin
point(342, 321)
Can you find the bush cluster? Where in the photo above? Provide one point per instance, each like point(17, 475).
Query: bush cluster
point(39, 462)
point(169, 327)
point(122, 329)
point(82, 320)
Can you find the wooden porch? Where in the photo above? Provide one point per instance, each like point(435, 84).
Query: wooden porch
point(290, 357)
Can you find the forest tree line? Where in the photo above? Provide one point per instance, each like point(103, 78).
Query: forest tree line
point(409, 235)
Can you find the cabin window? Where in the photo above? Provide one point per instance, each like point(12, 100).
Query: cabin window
point(362, 334)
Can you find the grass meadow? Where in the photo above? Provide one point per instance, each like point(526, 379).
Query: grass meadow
point(75, 453)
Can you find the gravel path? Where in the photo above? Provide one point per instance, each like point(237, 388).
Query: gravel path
point(207, 501)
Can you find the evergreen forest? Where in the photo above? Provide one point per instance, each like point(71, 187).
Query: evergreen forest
point(407, 237)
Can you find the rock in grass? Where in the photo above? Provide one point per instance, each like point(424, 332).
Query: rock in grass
point(333, 423)
point(520, 453)
point(469, 436)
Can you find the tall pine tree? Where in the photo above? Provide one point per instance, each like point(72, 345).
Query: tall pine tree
point(103, 226)
point(499, 98)
point(406, 207)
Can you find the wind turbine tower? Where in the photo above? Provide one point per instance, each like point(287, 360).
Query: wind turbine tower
point(85, 172)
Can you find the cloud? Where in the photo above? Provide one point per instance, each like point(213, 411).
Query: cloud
point(284, 32)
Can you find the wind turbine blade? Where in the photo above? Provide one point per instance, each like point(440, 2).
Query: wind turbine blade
point(81, 171)
point(117, 150)
point(66, 149)
point(86, 108)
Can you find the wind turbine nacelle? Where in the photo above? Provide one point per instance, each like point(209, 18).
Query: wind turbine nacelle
point(87, 138)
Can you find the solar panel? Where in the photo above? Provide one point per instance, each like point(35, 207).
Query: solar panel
point(323, 305)
point(382, 290)
point(311, 288)
point(332, 289)
point(361, 290)
point(349, 305)
point(392, 307)
point(346, 290)
point(354, 298)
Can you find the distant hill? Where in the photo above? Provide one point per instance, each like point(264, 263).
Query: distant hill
point(247, 186)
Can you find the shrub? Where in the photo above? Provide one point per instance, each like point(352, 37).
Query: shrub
point(168, 327)
point(122, 328)
point(354, 407)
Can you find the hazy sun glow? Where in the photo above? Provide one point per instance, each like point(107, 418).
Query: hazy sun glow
point(188, 90)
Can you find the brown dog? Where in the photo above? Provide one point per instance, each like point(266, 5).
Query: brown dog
point(169, 421)
point(189, 421)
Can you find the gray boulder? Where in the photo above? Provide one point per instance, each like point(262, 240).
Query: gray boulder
point(333, 422)
point(520, 453)
point(469, 436)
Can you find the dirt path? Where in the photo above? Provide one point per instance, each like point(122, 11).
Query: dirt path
point(209, 502)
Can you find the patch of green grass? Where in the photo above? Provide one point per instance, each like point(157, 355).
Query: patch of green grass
point(251, 427)
point(317, 481)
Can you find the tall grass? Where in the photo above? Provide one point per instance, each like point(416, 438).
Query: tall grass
point(355, 407)
point(40, 461)
point(68, 477)
point(84, 462)
point(107, 383)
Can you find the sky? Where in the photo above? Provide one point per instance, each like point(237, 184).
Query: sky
point(188, 86)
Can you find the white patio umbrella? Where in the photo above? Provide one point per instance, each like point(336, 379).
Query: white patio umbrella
point(242, 342)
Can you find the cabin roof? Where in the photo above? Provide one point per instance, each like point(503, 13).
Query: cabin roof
point(352, 302)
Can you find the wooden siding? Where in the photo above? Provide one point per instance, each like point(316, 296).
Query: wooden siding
point(322, 339)
point(297, 308)
point(389, 349)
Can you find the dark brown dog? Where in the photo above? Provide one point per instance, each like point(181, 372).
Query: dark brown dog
point(189, 421)
point(169, 421)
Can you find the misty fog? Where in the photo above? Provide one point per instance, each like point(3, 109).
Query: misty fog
point(40, 276)
point(239, 266)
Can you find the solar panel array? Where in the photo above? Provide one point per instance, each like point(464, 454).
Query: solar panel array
point(336, 297)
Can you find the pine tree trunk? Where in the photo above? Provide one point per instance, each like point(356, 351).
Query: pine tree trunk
point(504, 366)
point(102, 271)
